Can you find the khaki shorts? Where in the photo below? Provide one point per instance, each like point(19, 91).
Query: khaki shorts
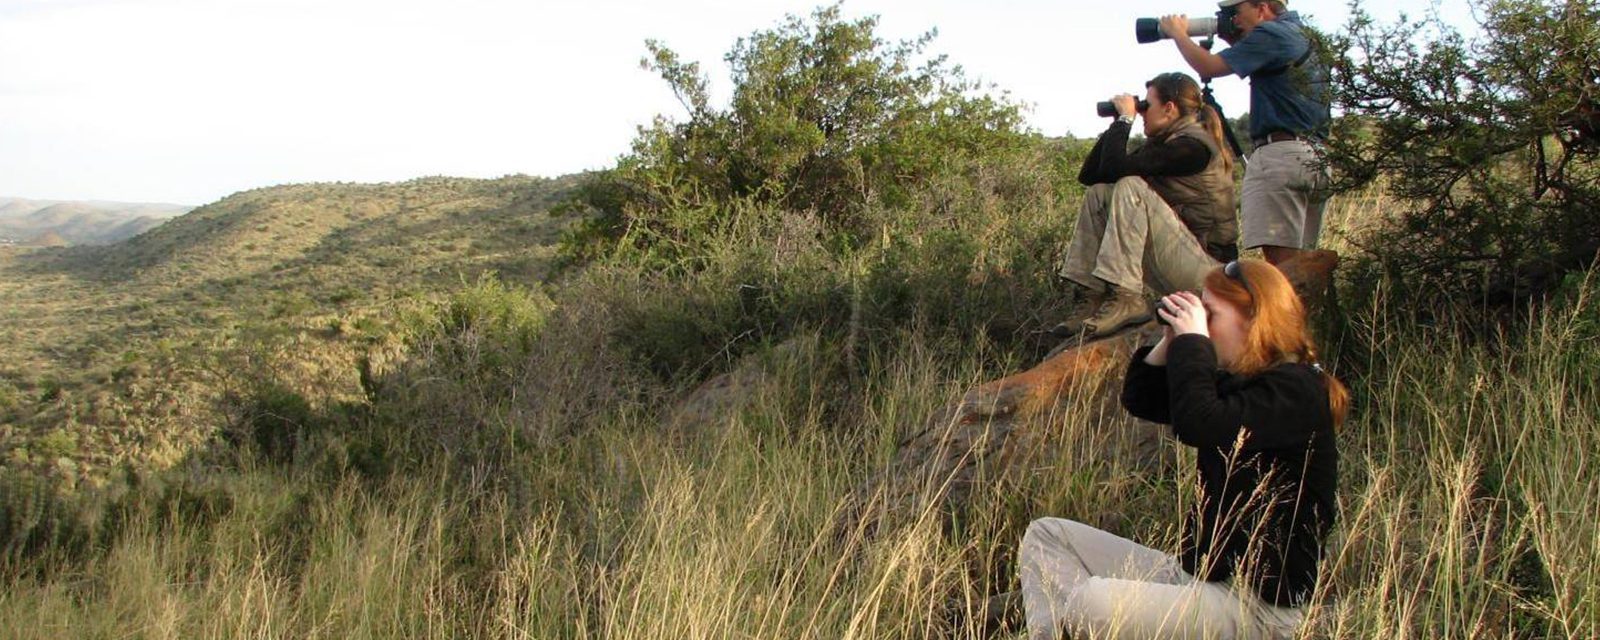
point(1285, 191)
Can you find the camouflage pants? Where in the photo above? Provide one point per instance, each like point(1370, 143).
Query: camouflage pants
point(1129, 237)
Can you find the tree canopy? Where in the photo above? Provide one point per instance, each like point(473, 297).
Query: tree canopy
point(825, 118)
point(1492, 140)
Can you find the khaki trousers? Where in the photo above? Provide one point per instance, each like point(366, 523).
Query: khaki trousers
point(1128, 236)
point(1093, 584)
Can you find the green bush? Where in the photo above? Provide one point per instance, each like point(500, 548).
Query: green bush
point(482, 334)
point(468, 362)
point(826, 119)
point(276, 421)
point(1491, 145)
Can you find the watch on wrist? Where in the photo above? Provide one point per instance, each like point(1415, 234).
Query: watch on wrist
point(1127, 119)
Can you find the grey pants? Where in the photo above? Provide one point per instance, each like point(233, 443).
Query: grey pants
point(1284, 194)
point(1129, 237)
point(1094, 584)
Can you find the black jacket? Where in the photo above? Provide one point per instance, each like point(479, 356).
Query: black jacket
point(1267, 461)
point(1109, 160)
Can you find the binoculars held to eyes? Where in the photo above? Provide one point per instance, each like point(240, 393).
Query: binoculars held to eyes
point(1108, 110)
point(1161, 305)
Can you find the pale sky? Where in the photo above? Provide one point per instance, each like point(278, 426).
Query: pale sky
point(187, 101)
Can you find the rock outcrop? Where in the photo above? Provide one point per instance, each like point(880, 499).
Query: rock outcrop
point(992, 426)
point(988, 430)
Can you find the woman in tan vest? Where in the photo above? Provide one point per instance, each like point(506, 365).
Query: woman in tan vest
point(1159, 217)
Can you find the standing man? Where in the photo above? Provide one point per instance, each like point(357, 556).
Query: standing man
point(1285, 182)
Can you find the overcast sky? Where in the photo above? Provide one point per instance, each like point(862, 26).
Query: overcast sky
point(187, 101)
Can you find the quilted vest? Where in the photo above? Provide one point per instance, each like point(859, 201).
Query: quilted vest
point(1205, 201)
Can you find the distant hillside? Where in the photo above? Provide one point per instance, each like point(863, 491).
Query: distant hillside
point(324, 246)
point(319, 238)
point(79, 223)
point(87, 329)
point(46, 239)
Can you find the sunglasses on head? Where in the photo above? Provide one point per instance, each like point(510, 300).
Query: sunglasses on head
point(1236, 271)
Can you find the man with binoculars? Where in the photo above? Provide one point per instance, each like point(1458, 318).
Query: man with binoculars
point(1160, 216)
point(1285, 181)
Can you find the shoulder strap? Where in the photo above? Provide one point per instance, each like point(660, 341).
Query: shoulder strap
point(1227, 129)
point(1281, 69)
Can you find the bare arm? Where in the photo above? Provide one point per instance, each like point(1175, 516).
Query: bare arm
point(1209, 65)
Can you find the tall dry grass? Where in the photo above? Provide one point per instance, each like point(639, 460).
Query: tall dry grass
point(1468, 503)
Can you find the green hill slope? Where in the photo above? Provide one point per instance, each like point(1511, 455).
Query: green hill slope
point(415, 226)
point(85, 325)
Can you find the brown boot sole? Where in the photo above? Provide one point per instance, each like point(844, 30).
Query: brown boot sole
point(1097, 332)
point(1065, 330)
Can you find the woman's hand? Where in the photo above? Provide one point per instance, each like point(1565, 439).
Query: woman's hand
point(1126, 105)
point(1187, 314)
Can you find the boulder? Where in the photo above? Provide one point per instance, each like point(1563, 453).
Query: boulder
point(990, 428)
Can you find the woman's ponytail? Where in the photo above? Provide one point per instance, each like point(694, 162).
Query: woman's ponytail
point(1214, 126)
point(1338, 399)
point(1338, 394)
point(1182, 90)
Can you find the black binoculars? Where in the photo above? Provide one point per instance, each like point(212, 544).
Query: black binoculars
point(1161, 305)
point(1108, 110)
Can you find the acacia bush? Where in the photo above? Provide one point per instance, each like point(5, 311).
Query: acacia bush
point(826, 119)
point(1491, 142)
point(852, 186)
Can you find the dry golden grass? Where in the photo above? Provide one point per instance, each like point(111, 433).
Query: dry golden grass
point(1468, 497)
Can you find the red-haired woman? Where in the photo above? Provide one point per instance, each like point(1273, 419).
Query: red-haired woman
point(1236, 375)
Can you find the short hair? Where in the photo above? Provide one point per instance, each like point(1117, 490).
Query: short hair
point(1278, 7)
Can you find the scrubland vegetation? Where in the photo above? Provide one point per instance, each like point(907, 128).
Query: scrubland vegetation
point(657, 437)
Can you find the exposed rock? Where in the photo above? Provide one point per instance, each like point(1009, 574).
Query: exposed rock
point(1311, 273)
point(990, 428)
point(996, 425)
point(723, 394)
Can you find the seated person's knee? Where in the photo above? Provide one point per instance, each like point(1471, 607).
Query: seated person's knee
point(1092, 605)
point(1129, 183)
point(1044, 531)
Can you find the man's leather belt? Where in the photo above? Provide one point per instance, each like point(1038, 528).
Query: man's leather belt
point(1281, 136)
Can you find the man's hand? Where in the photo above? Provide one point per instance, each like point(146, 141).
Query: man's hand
point(1126, 105)
point(1175, 26)
point(1188, 316)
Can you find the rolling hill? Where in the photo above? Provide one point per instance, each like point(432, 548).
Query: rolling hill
point(87, 329)
point(80, 223)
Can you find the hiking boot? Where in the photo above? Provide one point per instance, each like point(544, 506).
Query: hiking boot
point(1123, 309)
point(1087, 301)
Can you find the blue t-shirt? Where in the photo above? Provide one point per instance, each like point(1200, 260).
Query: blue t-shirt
point(1283, 96)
